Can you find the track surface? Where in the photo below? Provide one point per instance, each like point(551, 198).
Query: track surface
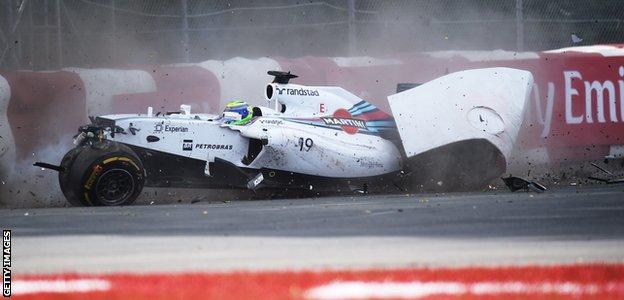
point(569, 225)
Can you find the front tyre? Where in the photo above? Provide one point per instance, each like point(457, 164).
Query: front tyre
point(104, 174)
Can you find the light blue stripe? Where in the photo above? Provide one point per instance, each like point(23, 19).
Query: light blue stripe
point(380, 123)
point(360, 105)
point(363, 110)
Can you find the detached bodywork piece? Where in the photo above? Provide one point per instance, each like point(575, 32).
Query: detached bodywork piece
point(517, 183)
point(611, 179)
point(455, 132)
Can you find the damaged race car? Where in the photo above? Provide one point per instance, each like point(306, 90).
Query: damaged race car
point(455, 132)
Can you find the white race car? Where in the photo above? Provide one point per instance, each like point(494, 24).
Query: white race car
point(307, 138)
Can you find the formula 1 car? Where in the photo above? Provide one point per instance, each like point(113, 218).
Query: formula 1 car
point(454, 132)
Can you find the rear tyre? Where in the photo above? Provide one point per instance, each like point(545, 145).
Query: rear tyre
point(104, 174)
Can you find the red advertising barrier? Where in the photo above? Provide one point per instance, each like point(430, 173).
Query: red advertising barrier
point(43, 106)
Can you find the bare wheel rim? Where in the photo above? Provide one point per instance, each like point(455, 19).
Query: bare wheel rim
point(114, 187)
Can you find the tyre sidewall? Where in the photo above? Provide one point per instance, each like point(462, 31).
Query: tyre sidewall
point(64, 180)
point(93, 161)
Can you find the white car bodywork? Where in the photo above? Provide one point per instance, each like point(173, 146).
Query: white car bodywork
point(485, 104)
point(328, 134)
point(331, 152)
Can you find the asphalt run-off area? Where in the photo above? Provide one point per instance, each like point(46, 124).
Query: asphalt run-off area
point(561, 243)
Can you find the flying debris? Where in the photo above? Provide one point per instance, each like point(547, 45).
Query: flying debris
point(576, 39)
point(516, 184)
point(610, 180)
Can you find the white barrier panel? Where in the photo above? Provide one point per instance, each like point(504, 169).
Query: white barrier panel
point(102, 84)
point(242, 78)
point(7, 145)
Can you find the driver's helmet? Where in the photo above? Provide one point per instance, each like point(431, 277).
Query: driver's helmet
point(237, 112)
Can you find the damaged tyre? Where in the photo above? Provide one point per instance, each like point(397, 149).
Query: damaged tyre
point(103, 174)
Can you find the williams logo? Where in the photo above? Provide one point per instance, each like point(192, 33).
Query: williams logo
point(343, 118)
point(297, 92)
point(160, 127)
point(187, 145)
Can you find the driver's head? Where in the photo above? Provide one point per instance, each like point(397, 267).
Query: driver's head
point(240, 109)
